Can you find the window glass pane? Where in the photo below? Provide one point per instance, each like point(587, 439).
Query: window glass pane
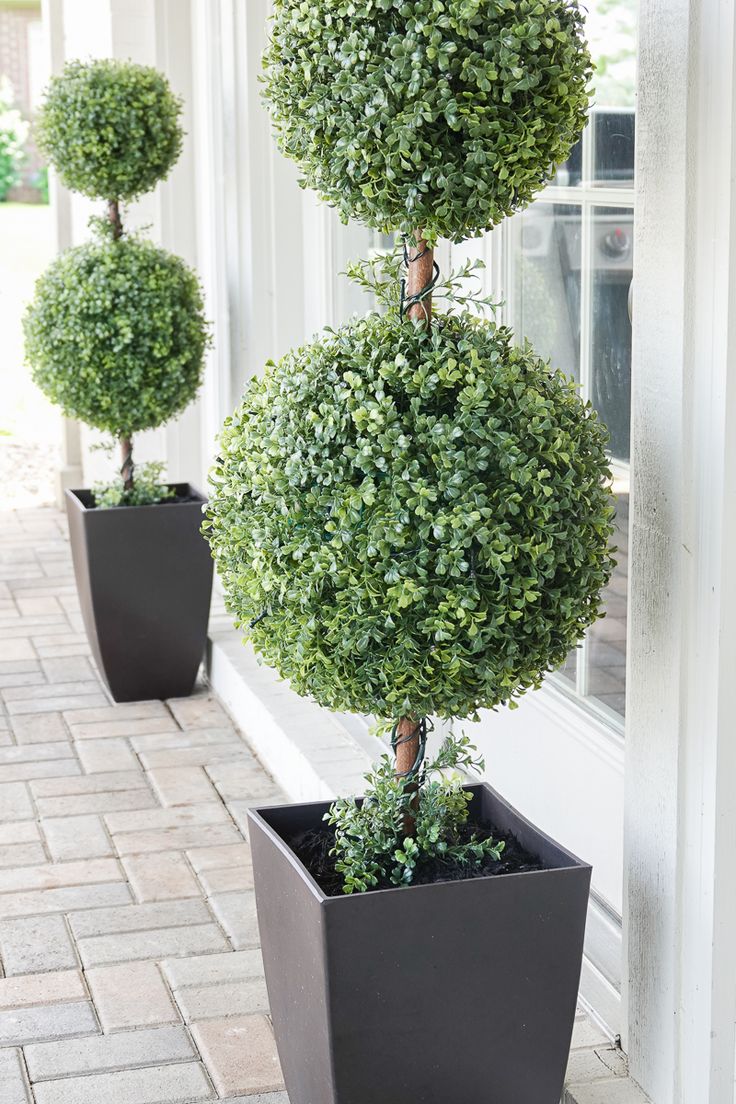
point(547, 263)
point(612, 33)
point(612, 242)
point(569, 669)
point(605, 155)
point(605, 647)
point(612, 134)
point(548, 254)
point(347, 244)
point(573, 262)
point(570, 173)
point(611, 29)
point(570, 271)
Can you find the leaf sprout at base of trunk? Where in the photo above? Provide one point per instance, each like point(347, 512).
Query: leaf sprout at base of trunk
point(371, 846)
point(382, 275)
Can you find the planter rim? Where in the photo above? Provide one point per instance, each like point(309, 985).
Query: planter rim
point(256, 815)
point(74, 495)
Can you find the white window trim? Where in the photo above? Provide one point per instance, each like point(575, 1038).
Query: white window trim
point(680, 912)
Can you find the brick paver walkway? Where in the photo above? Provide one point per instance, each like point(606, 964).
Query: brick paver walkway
point(131, 971)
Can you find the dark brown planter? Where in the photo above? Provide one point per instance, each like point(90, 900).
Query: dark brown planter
point(144, 577)
point(456, 993)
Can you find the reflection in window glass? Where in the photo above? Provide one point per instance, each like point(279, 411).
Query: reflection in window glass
point(611, 30)
point(612, 243)
point(605, 646)
point(610, 140)
point(612, 135)
point(547, 294)
point(571, 266)
point(570, 173)
point(548, 257)
point(606, 155)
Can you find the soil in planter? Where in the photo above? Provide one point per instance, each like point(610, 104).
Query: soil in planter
point(177, 500)
point(313, 849)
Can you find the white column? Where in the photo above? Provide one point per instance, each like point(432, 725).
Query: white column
point(157, 33)
point(179, 213)
point(680, 915)
point(70, 471)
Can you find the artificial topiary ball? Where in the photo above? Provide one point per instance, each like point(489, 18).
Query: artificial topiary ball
point(412, 520)
point(438, 115)
point(110, 128)
point(116, 334)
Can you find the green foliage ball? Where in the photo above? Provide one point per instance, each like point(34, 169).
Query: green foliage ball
point(441, 115)
point(412, 519)
point(110, 128)
point(116, 334)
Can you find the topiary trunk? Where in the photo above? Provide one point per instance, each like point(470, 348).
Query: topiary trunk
point(126, 466)
point(113, 214)
point(126, 442)
point(419, 280)
point(407, 745)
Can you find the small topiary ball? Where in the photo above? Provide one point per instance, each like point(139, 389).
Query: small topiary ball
point(438, 115)
point(110, 128)
point(410, 520)
point(116, 334)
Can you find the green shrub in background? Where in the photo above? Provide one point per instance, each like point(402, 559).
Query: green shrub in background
point(40, 180)
point(110, 128)
point(13, 134)
point(116, 334)
point(445, 116)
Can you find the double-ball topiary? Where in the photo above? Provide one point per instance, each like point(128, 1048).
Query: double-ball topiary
point(116, 333)
point(442, 114)
point(411, 516)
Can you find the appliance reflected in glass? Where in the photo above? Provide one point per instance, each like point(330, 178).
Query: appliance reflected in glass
point(612, 135)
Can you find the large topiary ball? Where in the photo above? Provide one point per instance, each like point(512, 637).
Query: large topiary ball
point(441, 115)
point(116, 334)
point(110, 128)
point(412, 520)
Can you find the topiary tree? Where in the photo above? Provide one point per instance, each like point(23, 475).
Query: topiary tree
point(410, 515)
point(116, 333)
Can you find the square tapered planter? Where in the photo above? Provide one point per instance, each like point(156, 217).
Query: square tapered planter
point(144, 578)
point(454, 993)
